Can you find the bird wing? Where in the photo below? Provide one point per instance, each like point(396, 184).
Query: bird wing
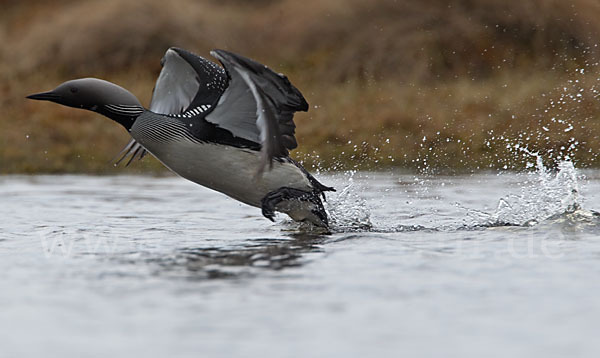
point(258, 105)
point(186, 81)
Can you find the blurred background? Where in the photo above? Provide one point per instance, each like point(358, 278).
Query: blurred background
point(432, 85)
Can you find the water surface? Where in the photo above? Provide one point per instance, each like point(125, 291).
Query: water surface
point(480, 265)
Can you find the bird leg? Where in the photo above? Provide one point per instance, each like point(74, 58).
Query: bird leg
point(300, 205)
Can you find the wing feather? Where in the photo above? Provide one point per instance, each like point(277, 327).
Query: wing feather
point(258, 105)
point(185, 81)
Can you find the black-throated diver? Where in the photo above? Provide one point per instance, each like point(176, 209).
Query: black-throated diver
point(227, 128)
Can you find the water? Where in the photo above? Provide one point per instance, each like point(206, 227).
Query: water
point(480, 265)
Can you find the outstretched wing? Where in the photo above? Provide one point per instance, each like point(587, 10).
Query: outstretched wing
point(186, 81)
point(258, 105)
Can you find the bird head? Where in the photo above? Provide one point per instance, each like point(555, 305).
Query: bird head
point(88, 93)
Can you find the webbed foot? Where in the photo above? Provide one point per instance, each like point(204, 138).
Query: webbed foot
point(300, 205)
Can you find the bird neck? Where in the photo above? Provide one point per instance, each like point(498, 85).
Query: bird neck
point(125, 115)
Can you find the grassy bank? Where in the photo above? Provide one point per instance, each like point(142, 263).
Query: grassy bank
point(442, 85)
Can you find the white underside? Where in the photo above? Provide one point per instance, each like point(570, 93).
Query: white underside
point(229, 170)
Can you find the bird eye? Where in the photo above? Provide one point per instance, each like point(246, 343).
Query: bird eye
point(74, 89)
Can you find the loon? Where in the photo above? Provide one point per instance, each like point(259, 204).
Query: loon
point(227, 128)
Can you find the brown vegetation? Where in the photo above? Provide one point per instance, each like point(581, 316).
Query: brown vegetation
point(433, 83)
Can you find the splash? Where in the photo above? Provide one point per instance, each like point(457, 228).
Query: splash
point(543, 195)
point(347, 209)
